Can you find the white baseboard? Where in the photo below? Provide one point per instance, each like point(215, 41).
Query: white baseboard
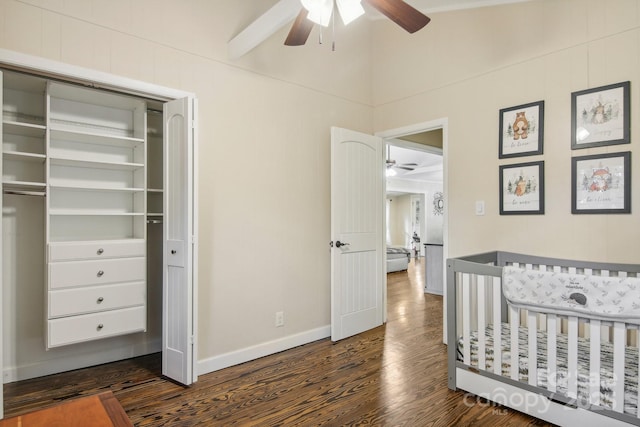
point(237, 357)
point(68, 362)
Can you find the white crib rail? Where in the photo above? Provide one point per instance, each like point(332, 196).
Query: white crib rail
point(479, 303)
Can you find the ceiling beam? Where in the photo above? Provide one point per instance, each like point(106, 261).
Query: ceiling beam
point(264, 27)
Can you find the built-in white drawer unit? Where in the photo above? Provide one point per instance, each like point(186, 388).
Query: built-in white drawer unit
point(96, 272)
point(67, 251)
point(87, 327)
point(69, 302)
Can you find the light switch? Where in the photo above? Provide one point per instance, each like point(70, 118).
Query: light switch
point(479, 207)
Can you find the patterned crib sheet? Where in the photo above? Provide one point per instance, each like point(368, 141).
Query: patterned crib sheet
point(606, 365)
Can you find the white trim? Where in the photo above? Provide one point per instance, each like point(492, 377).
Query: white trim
point(97, 78)
point(443, 124)
point(247, 354)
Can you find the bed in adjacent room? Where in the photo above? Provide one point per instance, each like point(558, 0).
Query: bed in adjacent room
point(397, 259)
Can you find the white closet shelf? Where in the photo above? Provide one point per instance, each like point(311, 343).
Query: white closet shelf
point(95, 188)
point(24, 156)
point(22, 128)
point(76, 212)
point(66, 132)
point(59, 161)
point(155, 214)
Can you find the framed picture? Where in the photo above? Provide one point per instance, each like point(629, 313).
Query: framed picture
point(600, 116)
point(601, 183)
point(521, 130)
point(522, 189)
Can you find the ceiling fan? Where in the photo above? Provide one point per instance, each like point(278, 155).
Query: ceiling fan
point(320, 11)
point(391, 164)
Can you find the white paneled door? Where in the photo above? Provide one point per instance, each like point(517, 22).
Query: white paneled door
point(357, 224)
point(178, 330)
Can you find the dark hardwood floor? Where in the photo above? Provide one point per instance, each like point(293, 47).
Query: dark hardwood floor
point(394, 375)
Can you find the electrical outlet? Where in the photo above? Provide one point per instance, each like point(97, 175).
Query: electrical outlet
point(279, 319)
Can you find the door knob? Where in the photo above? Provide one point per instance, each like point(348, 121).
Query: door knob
point(340, 244)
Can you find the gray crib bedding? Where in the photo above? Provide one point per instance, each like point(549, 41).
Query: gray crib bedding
point(606, 365)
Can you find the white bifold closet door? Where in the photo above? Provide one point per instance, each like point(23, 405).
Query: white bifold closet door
point(178, 329)
point(1, 269)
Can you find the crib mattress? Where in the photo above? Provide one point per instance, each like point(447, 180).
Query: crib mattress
point(606, 364)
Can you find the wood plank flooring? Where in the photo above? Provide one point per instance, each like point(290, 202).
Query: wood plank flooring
point(394, 375)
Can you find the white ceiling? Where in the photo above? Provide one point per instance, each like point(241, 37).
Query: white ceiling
point(429, 165)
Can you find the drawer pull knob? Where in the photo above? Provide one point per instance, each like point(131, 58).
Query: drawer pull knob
point(173, 251)
point(100, 300)
point(100, 251)
point(100, 273)
point(100, 326)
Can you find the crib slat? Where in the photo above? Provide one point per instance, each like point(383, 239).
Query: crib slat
point(497, 325)
point(481, 323)
point(619, 342)
point(552, 369)
point(466, 319)
point(533, 348)
point(514, 322)
point(638, 341)
point(572, 357)
point(594, 362)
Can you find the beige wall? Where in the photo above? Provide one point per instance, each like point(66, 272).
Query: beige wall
point(399, 221)
point(467, 65)
point(264, 130)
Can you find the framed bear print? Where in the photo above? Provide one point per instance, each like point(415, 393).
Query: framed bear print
point(521, 130)
point(522, 189)
point(600, 116)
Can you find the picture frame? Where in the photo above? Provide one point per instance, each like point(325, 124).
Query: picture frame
point(521, 131)
point(601, 183)
point(522, 189)
point(600, 116)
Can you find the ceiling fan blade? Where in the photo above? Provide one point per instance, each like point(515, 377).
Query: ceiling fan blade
point(401, 13)
point(409, 164)
point(300, 30)
point(405, 168)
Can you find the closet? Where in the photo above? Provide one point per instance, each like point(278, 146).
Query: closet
point(93, 269)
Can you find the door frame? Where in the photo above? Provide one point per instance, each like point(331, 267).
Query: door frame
point(389, 136)
point(47, 68)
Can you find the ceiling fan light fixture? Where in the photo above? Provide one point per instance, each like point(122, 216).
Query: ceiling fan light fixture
point(391, 172)
point(319, 11)
point(349, 10)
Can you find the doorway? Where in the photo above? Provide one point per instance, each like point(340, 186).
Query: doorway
point(419, 138)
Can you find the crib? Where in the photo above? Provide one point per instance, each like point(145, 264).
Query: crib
point(568, 366)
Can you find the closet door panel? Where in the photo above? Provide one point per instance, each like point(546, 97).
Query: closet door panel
point(83, 273)
point(178, 289)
